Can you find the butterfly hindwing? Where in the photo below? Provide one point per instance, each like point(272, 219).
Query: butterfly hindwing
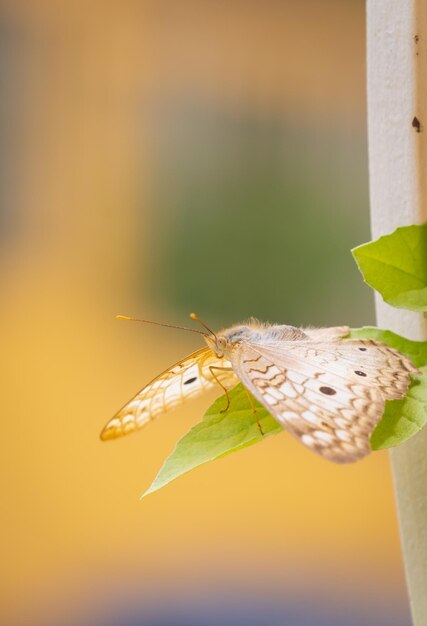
point(185, 380)
point(329, 394)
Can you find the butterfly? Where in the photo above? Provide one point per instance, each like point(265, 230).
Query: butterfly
point(324, 388)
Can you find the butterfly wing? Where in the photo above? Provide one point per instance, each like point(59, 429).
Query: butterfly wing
point(186, 379)
point(328, 394)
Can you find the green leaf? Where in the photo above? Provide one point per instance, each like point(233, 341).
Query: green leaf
point(402, 418)
point(216, 435)
point(396, 266)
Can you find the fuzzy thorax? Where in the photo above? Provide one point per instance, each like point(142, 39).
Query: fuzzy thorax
point(255, 333)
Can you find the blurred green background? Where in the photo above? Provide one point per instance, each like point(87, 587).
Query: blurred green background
point(255, 214)
point(159, 158)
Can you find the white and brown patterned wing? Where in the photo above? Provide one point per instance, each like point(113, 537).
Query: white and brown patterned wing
point(329, 395)
point(185, 380)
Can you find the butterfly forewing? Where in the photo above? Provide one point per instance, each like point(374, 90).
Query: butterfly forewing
point(329, 394)
point(185, 380)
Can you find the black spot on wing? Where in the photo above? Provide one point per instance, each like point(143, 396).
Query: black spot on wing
point(190, 380)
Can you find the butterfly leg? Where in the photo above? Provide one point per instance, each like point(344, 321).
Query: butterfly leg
point(251, 402)
point(228, 369)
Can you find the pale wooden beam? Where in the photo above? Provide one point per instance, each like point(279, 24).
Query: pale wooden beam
point(397, 125)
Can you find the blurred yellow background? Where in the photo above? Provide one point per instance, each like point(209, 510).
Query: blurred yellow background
point(158, 158)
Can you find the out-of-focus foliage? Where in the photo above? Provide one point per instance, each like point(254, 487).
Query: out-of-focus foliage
point(254, 221)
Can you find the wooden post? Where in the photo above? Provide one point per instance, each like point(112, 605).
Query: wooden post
point(397, 129)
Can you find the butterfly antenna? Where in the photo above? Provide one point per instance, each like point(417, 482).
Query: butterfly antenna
point(136, 319)
point(197, 319)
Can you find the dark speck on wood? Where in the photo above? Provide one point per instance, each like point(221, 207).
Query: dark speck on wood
point(416, 124)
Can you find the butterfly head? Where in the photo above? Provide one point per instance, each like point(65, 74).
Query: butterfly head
point(219, 345)
point(224, 342)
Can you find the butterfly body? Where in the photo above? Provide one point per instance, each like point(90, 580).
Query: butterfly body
point(256, 333)
point(326, 390)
